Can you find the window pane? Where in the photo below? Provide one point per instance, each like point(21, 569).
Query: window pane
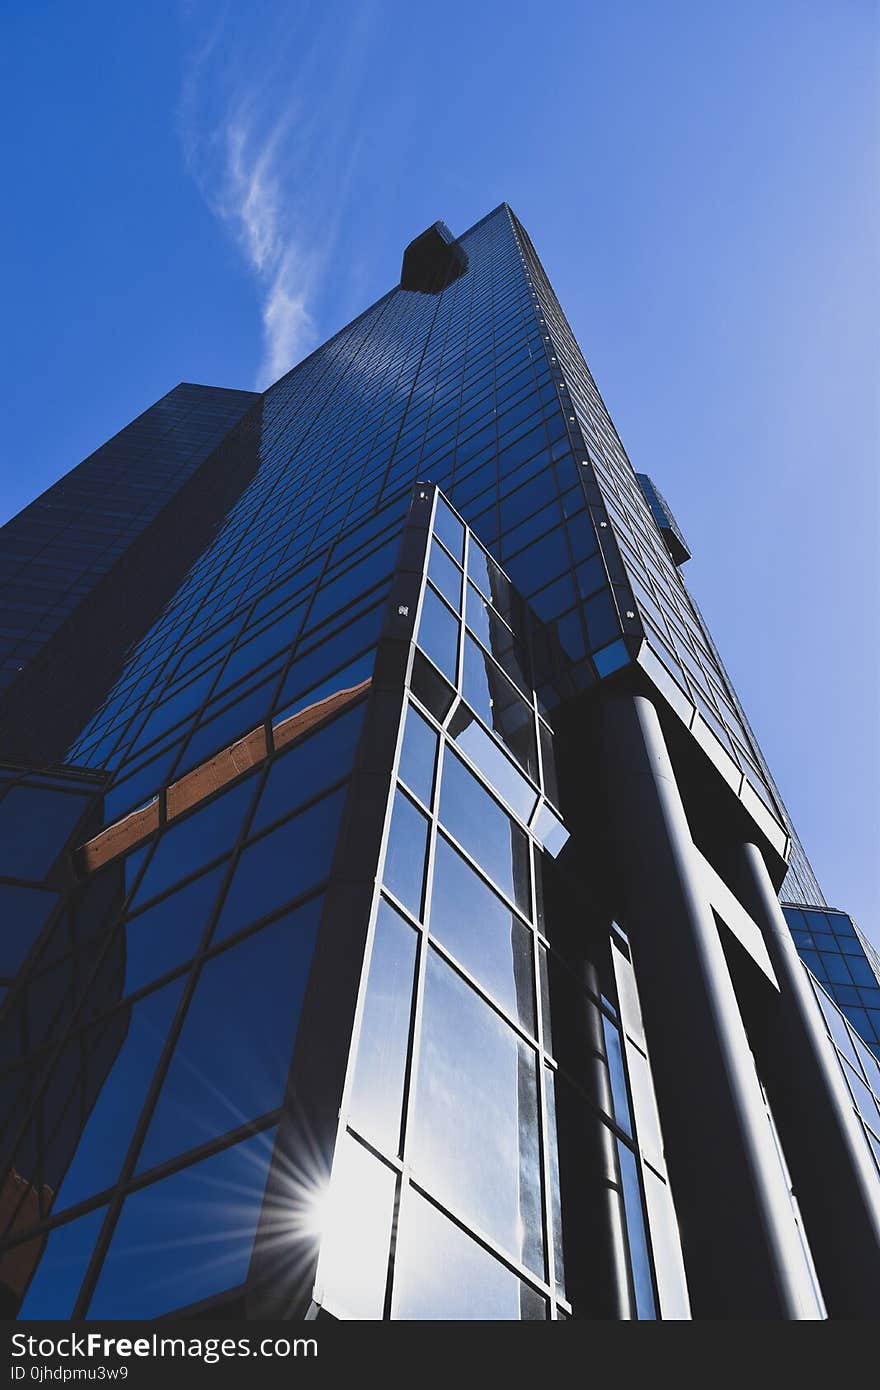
point(277, 636)
point(555, 1195)
point(336, 593)
point(139, 787)
point(482, 933)
point(449, 529)
point(23, 853)
point(55, 1285)
point(475, 1137)
point(183, 1239)
point(429, 686)
point(441, 1274)
point(356, 1233)
point(498, 770)
point(500, 706)
point(234, 1051)
point(282, 865)
point(24, 912)
point(308, 680)
point(446, 575)
point(484, 830)
point(484, 572)
point(377, 1094)
point(168, 934)
point(438, 634)
point(404, 871)
point(640, 1261)
point(201, 837)
point(418, 756)
point(121, 1057)
point(619, 1096)
point(223, 729)
point(603, 623)
point(312, 764)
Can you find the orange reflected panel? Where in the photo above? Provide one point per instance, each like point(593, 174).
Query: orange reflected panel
point(119, 837)
point(296, 724)
point(210, 776)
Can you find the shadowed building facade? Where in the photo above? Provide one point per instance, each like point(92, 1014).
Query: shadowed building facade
point(414, 948)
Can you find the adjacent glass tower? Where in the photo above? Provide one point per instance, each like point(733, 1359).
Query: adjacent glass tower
point(391, 873)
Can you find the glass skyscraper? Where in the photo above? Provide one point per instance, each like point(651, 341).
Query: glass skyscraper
point(391, 877)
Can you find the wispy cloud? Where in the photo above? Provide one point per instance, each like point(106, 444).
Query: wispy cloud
point(267, 121)
point(255, 198)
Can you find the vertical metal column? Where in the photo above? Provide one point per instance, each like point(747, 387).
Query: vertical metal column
point(742, 1252)
point(832, 1172)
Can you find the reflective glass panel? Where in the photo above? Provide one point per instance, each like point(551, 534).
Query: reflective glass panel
point(34, 826)
point(418, 756)
point(180, 1240)
point(445, 574)
point(449, 529)
point(404, 870)
point(233, 1054)
point(485, 830)
point(311, 764)
point(121, 1054)
point(500, 706)
point(224, 728)
point(23, 912)
point(377, 1093)
point(498, 770)
point(282, 865)
point(640, 1260)
point(202, 836)
point(441, 1274)
point(356, 1233)
point(475, 1135)
point(614, 1051)
point(55, 1285)
point(482, 933)
point(555, 1194)
point(438, 634)
point(168, 934)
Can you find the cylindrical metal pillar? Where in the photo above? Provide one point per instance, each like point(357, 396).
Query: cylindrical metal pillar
point(742, 1250)
point(832, 1172)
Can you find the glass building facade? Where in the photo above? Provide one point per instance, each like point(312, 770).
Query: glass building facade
point(842, 960)
point(400, 864)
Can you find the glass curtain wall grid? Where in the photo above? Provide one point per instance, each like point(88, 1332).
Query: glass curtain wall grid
point(222, 891)
point(454, 1037)
point(81, 578)
point(858, 1065)
point(342, 885)
point(843, 961)
point(673, 628)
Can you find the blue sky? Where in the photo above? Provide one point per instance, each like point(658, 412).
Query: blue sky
point(204, 192)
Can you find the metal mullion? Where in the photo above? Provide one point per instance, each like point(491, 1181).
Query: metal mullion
point(549, 1250)
point(249, 1129)
point(411, 1072)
